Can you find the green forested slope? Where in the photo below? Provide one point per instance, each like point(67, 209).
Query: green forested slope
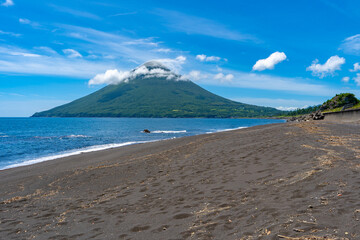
point(156, 97)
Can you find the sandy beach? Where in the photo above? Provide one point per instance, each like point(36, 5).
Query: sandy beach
point(280, 181)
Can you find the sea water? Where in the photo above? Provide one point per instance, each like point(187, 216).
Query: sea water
point(25, 141)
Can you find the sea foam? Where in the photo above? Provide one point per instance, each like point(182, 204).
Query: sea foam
point(72, 153)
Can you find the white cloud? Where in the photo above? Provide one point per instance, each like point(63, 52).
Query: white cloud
point(224, 78)
point(351, 45)
point(115, 76)
point(24, 54)
point(357, 79)
point(71, 53)
point(111, 45)
point(270, 62)
point(108, 47)
point(194, 75)
point(229, 77)
point(17, 60)
point(163, 50)
point(10, 34)
point(299, 85)
point(24, 21)
point(181, 59)
point(219, 69)
point(143, 41)
point(345, 79)
point(110, 77)
point(174, 64)
point(356, 67)
point(7, 3)
point(30, 23)
point(212, 59)
point(328, 68)
point(286, 108)
point(219, 76)
point(17, 52)
point(204, 58)
point(201, 57)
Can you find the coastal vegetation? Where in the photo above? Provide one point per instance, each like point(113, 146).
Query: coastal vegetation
point(340, 102)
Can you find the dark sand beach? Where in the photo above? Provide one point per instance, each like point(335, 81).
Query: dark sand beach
point(280, 181)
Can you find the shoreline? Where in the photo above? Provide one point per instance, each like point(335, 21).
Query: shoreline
point(96, 148)
point(292, 180)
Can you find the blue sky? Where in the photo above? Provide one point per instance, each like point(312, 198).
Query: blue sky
point(283, 54)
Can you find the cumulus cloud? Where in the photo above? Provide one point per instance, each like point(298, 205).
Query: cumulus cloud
point(345, 79)
point(7, 3)
point(194, 75)
point(270, 62)
point(328, 68)
point(204, 58)
point(219, 76)
point(351, 45)
point(356, 67)
point(224, 78)
point(174, 64)
point(112, 76)
point(357, 79)
point(71, 53)
point(115, 76)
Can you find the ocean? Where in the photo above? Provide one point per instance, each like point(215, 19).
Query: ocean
point(25, 141)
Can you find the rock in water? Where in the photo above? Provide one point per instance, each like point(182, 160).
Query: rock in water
point(146, 131)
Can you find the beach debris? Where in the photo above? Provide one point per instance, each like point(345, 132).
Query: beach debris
point(146, 131)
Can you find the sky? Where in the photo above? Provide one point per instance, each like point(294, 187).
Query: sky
point(282, 54)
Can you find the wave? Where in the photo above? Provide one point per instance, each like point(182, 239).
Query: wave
point(3, 135)
point(72, 153)
point(62, 137)
point(231, 129)
point(76, 136)
point(168, 131)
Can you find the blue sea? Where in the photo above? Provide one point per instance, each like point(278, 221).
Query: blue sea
point(25, 141)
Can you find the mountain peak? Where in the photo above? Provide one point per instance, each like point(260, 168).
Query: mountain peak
point(152, 69)
point(155, 65)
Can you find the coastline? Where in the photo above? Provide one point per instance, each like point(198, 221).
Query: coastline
point(95, 148)
point(262, 182)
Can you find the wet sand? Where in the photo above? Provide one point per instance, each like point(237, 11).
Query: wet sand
point(281, 181)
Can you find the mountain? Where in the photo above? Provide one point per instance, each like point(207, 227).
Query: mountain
point(153, 90)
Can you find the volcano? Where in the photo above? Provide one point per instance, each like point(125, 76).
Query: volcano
point(153, 90)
